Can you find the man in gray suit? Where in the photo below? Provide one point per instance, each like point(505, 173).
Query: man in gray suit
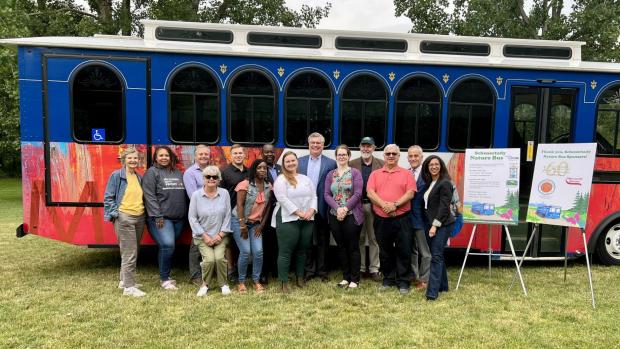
point(366, 164)
point(316, 166)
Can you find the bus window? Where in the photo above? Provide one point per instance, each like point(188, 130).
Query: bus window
point(308, 109)
point(559, 121)
point(194, 108)
point(470, 117)
point(363, 110)
point(418, 111)
point(98, 110)
point(252, 108)
point(608, 117)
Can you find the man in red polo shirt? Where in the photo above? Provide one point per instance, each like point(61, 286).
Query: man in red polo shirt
point(390, 189)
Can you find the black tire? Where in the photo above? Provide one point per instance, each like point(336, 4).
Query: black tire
point(608, 245)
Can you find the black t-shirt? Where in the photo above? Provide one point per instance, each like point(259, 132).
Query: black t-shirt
point(231, 176)
point(366, 170)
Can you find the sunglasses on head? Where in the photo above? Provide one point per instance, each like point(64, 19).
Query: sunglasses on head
point(390, 154)
point(211, 177)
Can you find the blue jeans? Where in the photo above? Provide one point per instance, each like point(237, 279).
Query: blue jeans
point(165, 239)
point(438, 278)
point(253, 245)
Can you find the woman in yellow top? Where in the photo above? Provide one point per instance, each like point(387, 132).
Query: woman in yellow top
point(124, 207)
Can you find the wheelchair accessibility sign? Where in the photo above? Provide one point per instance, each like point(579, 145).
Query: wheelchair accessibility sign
point(98, 134)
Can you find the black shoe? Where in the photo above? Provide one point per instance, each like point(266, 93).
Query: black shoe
point(264, 280)
point(376, 277)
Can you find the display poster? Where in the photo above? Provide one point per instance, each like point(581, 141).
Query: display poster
point(561, 184)
point(491, 191)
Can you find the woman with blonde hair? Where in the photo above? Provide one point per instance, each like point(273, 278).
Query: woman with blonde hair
point(123, 206)
point(293, 218)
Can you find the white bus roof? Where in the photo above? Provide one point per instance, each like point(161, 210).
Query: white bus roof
point(328, 51)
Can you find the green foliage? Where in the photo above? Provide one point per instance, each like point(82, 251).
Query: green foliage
point(265, 12)
point(597, 22)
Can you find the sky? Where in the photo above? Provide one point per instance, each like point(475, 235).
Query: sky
point(372, 15)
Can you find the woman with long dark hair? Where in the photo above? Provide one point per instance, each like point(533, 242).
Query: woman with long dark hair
point(437, 199)
point(165, 201)
point(252, 197)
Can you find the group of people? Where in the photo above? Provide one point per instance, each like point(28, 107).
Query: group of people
point(267, 210)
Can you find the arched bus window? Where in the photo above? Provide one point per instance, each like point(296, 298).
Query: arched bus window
point(194, 107)
point(363, 111)
point(252, 108)
point(418, 114)
point(98, 110)
point(308, 109)
point(470, 118)
point(608, 122)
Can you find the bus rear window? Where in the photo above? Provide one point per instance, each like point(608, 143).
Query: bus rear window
point(194, 35)
point(450, 48)
point(285, 40)
point(537, 52)
point(360, 44)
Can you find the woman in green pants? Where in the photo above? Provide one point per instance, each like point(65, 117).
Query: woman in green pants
point(293, 218)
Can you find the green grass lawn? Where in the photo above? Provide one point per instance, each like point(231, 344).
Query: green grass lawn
point(55, 295)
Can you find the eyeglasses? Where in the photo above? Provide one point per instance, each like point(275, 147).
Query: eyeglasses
point(212, 177)
point(390, 154)
point(342, 155)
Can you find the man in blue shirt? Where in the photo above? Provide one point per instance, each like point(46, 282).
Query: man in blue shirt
point(316, 166)
point(421, 253)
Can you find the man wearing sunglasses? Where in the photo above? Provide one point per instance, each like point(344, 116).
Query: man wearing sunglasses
point(390, 189)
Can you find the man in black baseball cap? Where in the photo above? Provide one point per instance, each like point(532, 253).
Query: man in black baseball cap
point(366, 164)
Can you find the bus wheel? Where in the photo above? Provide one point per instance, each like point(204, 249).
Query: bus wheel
point(608, 245)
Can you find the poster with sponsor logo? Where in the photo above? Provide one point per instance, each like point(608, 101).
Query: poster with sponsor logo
point(491, 192)
point(561, 184)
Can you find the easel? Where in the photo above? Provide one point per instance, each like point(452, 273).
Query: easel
point(585, 244)
point(491, 254)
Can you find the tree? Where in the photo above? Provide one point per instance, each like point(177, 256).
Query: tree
point(265, 12)
point(597, 22)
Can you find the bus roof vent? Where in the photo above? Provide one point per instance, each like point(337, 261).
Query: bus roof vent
point(455, 48)
point(285, 40)
point(523, 51)
point(370, 44)
point(194, 35)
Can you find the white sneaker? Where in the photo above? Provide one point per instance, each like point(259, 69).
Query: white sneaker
point(343, 284)
point(121, 285)
point(225, 290)
point(203, 291)
point(169, 285)
point(134, 292)
point(353, 285)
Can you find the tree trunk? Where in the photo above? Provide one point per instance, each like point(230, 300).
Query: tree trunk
point(126, 17)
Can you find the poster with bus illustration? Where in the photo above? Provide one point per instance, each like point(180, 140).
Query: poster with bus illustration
point(491, 192)
point(561, 184)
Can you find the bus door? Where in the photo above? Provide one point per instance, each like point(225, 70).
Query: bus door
point(93, 105)
point(538, 115)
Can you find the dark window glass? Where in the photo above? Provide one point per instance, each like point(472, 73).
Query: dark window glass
point(451, 48)
point(537, 52)
point(252, 109)
point(197, 35)
point(308, 109)
point(194, 107)
point(363, 110)
point(286, 40)
point(607, 122)
point(418, 114)
point(97, 105)
point(559, 121)
point(470, 120)
point(343, 43)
